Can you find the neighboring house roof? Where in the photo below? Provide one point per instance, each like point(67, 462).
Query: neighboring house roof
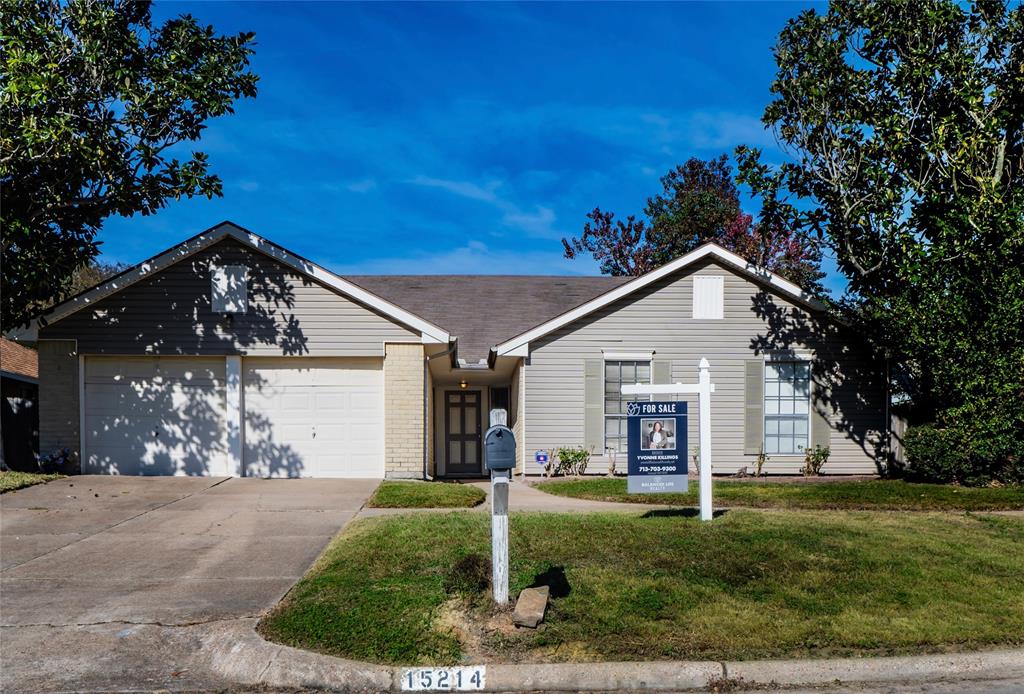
point(18, 360)
point(430, 333)
point(483, 310)
point(519, 344)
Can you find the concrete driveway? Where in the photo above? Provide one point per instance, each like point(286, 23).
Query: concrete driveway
point(105, 580)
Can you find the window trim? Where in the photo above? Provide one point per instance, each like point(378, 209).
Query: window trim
point(786, 358)
point(612, 356)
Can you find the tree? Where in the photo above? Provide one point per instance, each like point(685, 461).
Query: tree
point(905, 125)
point(98, 105)
point(88, 276)
point(699, 202)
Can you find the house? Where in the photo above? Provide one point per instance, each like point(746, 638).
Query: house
point(19, 416)
point(230, 355)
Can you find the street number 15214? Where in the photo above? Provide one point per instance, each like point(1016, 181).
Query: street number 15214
point(444, 679)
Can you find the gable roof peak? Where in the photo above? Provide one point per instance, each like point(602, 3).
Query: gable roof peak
point(519, 345)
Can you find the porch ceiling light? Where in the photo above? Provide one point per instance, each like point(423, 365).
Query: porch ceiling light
point(463, 384)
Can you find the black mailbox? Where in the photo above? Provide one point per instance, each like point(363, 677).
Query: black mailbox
point(500, 448)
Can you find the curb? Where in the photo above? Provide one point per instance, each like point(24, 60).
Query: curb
point(239, 654)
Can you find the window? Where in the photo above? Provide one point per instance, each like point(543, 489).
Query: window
point(229, 290)
point(787, 399)
point(708, 292)
point(617, 373)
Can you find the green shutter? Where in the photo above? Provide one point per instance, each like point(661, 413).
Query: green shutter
point(821, 428)
point(593, 376)
point(753, 411)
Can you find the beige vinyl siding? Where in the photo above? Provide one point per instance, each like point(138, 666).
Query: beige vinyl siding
point(659, 318)
point(288, 315)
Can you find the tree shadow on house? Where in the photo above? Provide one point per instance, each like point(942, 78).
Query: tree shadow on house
point(180, 403)
point(849, 381)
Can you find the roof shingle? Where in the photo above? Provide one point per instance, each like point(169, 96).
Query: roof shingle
point(18, 359)
point(484, 310)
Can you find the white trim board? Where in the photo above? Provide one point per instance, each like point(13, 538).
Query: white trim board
point(519, 345)
point(430, 333)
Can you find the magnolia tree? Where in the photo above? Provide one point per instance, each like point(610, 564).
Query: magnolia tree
point(98, 105)
point(904, 123)
point(699, 202)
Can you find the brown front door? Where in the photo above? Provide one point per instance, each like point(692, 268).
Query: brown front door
point(462, 432)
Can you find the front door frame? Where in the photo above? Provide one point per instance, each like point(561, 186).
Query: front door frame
point(479, 433)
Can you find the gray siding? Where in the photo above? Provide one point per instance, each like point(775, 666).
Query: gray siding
point(288, 315)
point(59, 424)
point(659, 318)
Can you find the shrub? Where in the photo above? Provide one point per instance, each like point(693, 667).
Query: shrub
point(814, 459)
point(961, 454)
point(60, 461)
point(572, 461)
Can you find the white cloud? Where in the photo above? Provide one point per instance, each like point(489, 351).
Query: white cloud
point(249, 186)
point(540, 222)
point(473, 258)
point(465, 189)
point(363, 186)
point(537, 221)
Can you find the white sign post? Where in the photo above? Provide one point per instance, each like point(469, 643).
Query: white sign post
point(703, 388)
point(499, 534)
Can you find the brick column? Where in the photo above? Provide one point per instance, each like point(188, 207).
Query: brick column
point(403, 411)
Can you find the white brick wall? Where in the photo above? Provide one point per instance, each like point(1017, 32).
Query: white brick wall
point(403, 410)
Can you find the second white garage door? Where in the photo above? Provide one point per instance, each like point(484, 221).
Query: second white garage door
point(314, 417)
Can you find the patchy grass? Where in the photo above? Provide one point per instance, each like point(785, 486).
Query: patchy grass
point(663, 585)
point(11, 480)
point(426, 495)
point(888, 495)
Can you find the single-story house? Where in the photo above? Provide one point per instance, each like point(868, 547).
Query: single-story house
point(229, 355)
point(19, 416)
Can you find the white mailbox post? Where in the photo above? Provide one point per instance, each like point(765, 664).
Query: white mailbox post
point(500, 459)
point(703, 388)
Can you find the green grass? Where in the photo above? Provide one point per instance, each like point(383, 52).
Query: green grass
point(663, 585)
point(891, 495)
point(426, 495)
point(11, 480)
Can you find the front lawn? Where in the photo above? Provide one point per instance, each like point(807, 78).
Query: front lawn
point(11, 480)
point(663, 585)
point(426, 495)
point(890, 495)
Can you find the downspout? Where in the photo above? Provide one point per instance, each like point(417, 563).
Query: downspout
point(426, 398)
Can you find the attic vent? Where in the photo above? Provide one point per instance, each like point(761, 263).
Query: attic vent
point(229, 289)
point(708, 297)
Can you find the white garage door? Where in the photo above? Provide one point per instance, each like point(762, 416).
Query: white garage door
point(155, 416)
point(314, 417)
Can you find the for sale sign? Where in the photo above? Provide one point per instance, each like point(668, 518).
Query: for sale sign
point(657, 447)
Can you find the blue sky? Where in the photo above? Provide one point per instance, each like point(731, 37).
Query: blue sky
point(465, 138)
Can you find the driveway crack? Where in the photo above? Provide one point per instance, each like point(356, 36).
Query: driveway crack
point(195, 623)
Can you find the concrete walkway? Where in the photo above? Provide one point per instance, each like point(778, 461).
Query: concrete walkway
point(525, 497)
point(110, 583)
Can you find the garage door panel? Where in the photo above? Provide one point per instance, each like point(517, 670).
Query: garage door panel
point(149, 415)
point(314, 417)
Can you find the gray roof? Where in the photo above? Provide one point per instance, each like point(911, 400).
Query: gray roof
point(460, 303)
